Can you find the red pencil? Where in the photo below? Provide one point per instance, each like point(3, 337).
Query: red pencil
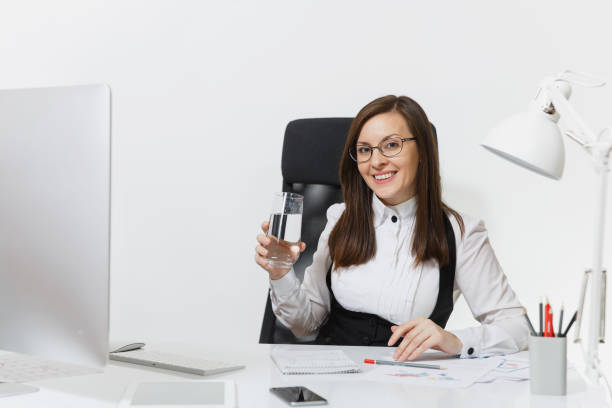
point(548, 321)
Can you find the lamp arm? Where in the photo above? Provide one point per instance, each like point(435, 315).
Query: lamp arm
point(599, 147)
point(580, 131)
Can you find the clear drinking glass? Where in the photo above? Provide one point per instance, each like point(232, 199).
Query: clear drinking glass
point(285, 229)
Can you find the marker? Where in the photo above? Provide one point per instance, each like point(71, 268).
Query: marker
point(403, 364)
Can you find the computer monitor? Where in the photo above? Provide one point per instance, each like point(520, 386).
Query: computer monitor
point(55, 222)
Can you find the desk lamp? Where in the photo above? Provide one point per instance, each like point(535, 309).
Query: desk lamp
point(534, 140)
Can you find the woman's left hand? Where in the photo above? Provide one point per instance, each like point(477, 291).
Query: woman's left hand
point(419, 335)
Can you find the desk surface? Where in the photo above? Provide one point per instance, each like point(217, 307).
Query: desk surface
point(345, 390)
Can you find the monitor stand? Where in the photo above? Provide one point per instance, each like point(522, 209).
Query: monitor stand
point(9, 389)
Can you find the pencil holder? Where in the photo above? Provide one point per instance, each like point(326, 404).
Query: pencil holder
point(548, 365)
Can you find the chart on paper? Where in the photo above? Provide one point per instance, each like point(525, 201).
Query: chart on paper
point(458, 373)
point(512, 368)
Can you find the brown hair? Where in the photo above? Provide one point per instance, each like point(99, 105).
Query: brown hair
point(353, 239)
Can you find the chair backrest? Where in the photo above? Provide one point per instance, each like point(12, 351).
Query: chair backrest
point(312, 150)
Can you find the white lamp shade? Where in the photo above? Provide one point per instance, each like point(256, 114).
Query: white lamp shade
point(532, 140)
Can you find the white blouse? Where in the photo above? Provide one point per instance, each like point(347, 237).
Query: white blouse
point(390, 286)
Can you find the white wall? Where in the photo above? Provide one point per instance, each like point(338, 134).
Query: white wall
point(202, 92)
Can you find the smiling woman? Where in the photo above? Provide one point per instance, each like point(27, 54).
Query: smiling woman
point(393, 257)
point(404, 165)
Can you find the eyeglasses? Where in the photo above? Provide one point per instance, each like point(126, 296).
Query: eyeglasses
point(389, 147)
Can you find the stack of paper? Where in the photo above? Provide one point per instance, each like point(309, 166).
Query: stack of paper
point(313, 362)
point(454, 372)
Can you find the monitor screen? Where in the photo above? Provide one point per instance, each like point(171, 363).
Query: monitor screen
point(55, 222)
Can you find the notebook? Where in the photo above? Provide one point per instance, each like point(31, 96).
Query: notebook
point(313, 362)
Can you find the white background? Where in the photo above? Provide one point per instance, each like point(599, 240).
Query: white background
point(202, 92)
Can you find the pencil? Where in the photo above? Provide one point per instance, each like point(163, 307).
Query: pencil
point(549, 331)
point(570, 324)
point(541, 331)
point(403, 364)
point(560, 322)
point(531, 329)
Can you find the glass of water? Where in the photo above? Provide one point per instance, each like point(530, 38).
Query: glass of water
point(285, 229)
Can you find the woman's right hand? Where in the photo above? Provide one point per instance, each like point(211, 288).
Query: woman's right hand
point(266, 244)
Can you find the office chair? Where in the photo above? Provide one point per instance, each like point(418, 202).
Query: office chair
point(312, 149)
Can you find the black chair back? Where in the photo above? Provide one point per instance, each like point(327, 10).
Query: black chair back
point(312, 149)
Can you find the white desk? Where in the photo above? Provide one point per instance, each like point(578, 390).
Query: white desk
point(345, 390)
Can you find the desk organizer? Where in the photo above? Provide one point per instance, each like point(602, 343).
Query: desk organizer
point(548, 365)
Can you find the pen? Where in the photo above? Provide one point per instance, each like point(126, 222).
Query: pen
point(403, 364)
point(541, 332)
point(560, 322)
point(570, 323)
point(531, 329)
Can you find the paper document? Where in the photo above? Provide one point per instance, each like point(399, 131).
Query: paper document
point(313, 362)
point(458, 373)
point(510, 369)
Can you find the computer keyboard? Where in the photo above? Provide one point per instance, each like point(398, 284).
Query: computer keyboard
point(174, 362)
point(15, 367)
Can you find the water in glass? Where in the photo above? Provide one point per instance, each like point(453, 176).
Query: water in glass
point(285, 229)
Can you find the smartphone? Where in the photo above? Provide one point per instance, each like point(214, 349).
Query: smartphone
point(298, 396)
